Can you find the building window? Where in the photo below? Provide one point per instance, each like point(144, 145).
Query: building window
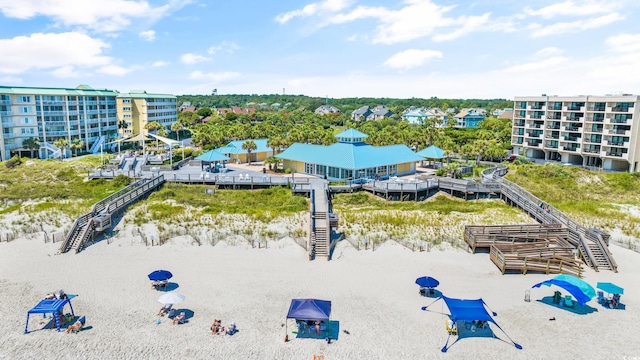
point(393, 169)
point(320, 169)
point(25, 99)
point(308, 168)
point(25, 109)
point(126, 101)
point(127, 116)
point(126, 108)
point(26, 120)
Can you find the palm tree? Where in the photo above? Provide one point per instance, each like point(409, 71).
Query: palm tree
point(249, 145)
point(153, 127)
point(62, 144)
point(76, 144)
point(275, 143)
point(123, 125)
point(32, 144)
point(177, 127)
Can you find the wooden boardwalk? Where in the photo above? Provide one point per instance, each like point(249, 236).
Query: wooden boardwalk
point(322, 221)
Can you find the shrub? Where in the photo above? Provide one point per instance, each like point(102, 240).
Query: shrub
point(13, 162)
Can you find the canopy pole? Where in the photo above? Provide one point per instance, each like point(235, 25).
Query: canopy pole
point(27, 324)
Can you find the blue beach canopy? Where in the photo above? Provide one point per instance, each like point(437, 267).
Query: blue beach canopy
point(160, 275)
point(427, 281)
point(432, 152)
point(212, 156)
point(52, 306)
point(468, 310)
point(580, 290)
point(309, 309)
point(611, 288)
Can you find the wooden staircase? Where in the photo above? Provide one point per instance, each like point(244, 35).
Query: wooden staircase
point(84, 227)
point(322, 220)
point(591, 243)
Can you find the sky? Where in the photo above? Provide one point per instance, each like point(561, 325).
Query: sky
point(327, 48)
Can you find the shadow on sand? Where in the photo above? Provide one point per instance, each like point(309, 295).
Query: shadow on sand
point(576, 309)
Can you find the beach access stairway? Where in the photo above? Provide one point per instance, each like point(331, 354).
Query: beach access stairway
point(322, 220)
point(86, 226)
point(97, 146)
point(591, 243)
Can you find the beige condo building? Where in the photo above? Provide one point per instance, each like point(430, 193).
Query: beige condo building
point(592, 131)
point(137, 108)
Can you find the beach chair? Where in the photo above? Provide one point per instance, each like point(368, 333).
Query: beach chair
point(601, 299)
point(452, 328)
point(240, 177)
point(568, 301)
point(77, 326)
point(247, 177)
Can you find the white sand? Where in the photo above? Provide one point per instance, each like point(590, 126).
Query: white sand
point(373, 296)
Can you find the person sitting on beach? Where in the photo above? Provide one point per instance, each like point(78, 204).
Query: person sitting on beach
point(49, 296)
point(216, 327)
point(76, 326)
point(316, 325)
point(178, 319)
point(231, 329)
point(614, 301)
point(62, 295)
point(164, 310)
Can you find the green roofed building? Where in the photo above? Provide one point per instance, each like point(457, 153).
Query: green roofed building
point(350, 158)
point(48, 114)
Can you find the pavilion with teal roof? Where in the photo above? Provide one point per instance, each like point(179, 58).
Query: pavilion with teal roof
point(350, 158)
point(236, 153)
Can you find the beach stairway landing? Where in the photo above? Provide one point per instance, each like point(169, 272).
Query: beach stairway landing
point(322, 220)
point(591, 243)
point(87, 226)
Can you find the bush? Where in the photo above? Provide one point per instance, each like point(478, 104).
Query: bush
point(13, 162)
point(122, 181)
point(287, 171)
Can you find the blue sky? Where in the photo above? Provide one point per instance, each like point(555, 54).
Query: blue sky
point(334, 48)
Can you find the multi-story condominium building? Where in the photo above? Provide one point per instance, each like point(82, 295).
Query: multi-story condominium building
point(137, 108)
point(49, 114)
point(595, 131)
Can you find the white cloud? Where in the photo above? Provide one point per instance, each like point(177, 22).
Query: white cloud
point(10, 80)
point(107, 16)
point(537, 66)
point(191, 58)
point(51, 51)
point(148, 35)
point(573, 8)
point(548, 51)
point(66, 72)
point(325, 6)
point(538, 30)
point(114, 70)
point(624, 43)
point(225, 46)
point(413, 20)
point(215, 77)
point(411, 58)
point(160, 63)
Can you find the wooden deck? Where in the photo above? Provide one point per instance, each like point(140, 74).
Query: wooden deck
point(539, 248)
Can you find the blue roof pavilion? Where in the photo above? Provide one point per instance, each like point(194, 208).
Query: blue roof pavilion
point(350, 158)
point(235, 151)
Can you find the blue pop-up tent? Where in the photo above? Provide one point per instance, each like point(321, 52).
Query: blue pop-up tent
point(52, 306)
point(468, 310)
point(580, 289)
point(308, 310)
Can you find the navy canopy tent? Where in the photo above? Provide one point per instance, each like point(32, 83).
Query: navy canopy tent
point(468, 310)
point(579, 294)
point(53, 306)
point(309, 309)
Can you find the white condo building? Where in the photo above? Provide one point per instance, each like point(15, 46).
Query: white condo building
point(594, 131)
point(49, 114)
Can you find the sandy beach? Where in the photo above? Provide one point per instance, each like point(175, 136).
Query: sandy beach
point(373, 293)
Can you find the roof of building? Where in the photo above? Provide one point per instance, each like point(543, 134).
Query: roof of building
point(361, 111)
point(81, 90)
point(470, 112)
point(350, 156)
point(351, 134)
point(235, 147)
point(142, 94)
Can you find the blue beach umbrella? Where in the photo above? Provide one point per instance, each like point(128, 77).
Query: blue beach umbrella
point(160, 275)
point(427, 281)
point(611, 288)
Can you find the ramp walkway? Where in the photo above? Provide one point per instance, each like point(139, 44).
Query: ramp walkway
point(85, 227)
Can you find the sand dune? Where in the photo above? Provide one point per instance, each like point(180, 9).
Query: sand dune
point(374, 299)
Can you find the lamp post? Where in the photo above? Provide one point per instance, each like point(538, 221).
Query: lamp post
point(182, 142)
point(102, 154)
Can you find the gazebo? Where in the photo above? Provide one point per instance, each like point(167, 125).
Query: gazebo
point(212, 156)
point(53, 306)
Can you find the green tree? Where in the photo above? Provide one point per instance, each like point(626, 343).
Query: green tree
point(32, 144)
point(250, 146)
point(76, 144)
point(177, 127)
point(204, 112)
point(62, 144)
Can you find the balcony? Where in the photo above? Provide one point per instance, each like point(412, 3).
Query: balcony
point(554, 126)
point(72, 103)
point(5, 102)
point(616, 154)
point(534, 126)
point(555, 108)
point(574, 108)
point(596, 108)
point(7, 122)
point(574, 118)
point(552, 136)
point(598, 119)
point(570, 148)
point(5, 113)
point(597, 130)
point(571, 138)
point(553, 145)
point(533, 143)
point(593, 140)
point(619, 132)
point(9, 135)
point(620, 109)
point(617, 121)
point(591, 151)
point(53, 102)
point(615, 143)
point(572, 128)
point(536, 107)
